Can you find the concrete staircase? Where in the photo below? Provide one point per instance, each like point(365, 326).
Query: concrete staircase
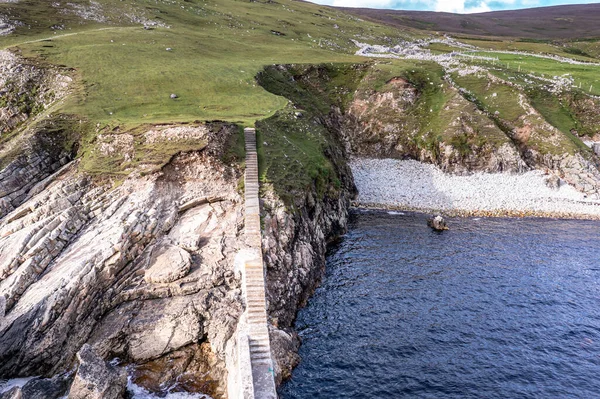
point(253, 283)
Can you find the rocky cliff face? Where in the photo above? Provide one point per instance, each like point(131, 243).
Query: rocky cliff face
point(138, 271)
point(294, 246)
point(387, 123)
point(26, 90)
point(141, 270)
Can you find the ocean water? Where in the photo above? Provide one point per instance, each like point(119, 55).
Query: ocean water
point(492, 308)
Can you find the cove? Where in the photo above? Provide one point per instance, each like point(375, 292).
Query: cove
point(494, 308)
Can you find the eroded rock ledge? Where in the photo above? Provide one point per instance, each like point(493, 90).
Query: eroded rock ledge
point(139, 271)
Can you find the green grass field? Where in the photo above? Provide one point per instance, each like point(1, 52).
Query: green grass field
point(588, 76)
point(126, 75)
point(536, 47)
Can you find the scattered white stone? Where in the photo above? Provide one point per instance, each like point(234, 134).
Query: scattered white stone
point(415, 185)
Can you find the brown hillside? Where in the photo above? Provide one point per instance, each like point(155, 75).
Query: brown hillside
point(558, 22)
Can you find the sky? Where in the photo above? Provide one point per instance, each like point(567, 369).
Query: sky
point(456, 6)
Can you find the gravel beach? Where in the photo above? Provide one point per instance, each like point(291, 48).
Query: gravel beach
point(412, 185)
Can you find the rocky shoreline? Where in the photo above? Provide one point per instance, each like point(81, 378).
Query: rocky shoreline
point(413, 186)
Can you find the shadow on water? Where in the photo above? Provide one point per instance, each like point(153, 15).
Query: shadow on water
point(494, 308)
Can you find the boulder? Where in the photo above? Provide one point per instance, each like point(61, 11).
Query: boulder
point(168, 263)
point(46, 388)
point(95, 379)
point(284, 352)
point(553, 182)
point(437, 223)
point(13, 393)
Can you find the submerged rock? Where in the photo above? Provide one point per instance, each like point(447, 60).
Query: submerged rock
point(95, 379)
point(13, 393)
point(46, 388)
point(437, 223)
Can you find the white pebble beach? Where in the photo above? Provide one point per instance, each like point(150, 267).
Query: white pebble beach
point(412, 185)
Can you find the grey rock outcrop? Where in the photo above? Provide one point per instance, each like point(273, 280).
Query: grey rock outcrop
point(26, 89)
point(437, 223)
point(95, 379)
point(168, 263)
point(553, 182)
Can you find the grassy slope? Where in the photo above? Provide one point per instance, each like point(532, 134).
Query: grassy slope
point(586, 75)
point(124, 74)
point(294, 145)
point(127, 75)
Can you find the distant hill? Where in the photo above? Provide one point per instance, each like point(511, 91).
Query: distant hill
point(558, 22)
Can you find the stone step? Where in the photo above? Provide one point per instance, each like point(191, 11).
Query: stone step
point(255, 271)
point(256, 321)
point(262, 358)
point(256, 303)
point(264, 338)
point(259, 346)
point(256, 310)
point(258, 317)
point(263, 352)
point(262, 349)
point(260, 353)
point(256, 291)
point(262, 363)
point(255, 281)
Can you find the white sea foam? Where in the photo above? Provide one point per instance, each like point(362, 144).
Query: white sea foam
point(7, 385)
point(141, 393)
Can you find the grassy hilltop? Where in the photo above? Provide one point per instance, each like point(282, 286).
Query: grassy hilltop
point(215, 48)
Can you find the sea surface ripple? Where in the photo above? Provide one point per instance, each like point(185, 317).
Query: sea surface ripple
point(492, 308)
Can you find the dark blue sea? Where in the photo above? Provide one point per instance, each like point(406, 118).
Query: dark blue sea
point(492, 308)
